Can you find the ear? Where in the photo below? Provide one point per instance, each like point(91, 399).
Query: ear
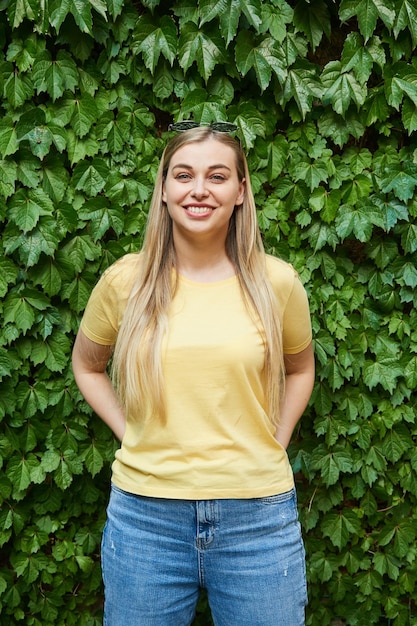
point(241, 193)
point(164, 194)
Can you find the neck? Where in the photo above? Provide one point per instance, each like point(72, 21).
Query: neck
point(201, 262)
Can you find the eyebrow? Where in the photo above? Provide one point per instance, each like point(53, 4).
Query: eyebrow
point(211, 167)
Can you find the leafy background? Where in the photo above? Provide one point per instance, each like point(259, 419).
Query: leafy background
point(325, 97)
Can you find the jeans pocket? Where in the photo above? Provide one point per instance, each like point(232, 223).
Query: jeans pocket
point(278, 498)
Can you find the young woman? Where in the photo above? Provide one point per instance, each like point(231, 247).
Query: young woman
point(212, 367)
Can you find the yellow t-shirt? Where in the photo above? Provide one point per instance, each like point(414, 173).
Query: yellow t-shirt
point(218, 441)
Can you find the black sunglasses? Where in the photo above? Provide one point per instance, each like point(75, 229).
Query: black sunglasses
point(220, 127)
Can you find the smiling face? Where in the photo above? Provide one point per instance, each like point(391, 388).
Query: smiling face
point(202, 188)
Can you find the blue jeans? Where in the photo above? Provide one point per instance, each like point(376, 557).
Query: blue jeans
point(248, 554)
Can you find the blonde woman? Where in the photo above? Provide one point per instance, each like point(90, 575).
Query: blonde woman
point(212, 367)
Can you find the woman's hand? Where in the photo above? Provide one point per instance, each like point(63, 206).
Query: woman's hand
point(89, 363)
point(298, 387)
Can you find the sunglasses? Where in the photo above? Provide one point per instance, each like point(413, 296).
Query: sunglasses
point(219, 127)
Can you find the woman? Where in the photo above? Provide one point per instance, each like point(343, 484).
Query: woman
point(212, 367)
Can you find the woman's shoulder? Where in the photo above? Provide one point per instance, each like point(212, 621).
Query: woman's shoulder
point(279, 271)
point(125, 268)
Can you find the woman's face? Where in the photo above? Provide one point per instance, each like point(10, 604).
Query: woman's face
point(202, 188)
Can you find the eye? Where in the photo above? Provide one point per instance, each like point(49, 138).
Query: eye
point(182, 176)
point(218, 178)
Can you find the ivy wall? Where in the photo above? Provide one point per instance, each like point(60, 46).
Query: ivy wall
point(325, 97)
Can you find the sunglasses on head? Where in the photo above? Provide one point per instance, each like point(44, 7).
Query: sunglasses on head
point(219, 127)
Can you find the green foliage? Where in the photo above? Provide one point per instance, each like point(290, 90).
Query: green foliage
point(325, 98)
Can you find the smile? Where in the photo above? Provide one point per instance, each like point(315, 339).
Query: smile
point(198, 210)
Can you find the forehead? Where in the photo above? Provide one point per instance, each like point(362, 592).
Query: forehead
point(204, 154)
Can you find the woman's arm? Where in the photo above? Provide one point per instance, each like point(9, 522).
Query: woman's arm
point(298, 387)
point(89, 363)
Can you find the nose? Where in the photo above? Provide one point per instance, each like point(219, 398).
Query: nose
point(199, 188)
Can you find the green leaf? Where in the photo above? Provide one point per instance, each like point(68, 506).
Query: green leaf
point(8, 175)
point(23, 51)
point(54, 178)
point(153, 37)
point(54, 76)
point(17, 310)
point(381, 373)
point(275, 18)
point(409, 238)
point(320, 235)
point(252, 12)
point(229, 19)
point(21, 9)
point(77, 292)
point(209, 9)
point(361, 58)
point(28, 566)
point(387, 564)
point(188, 11)
point(70, 464)
point(85, 563)
point(322, 565)
point(103, 217)
point(163, 83)
point(93, 459)
point(410, 373)
point(311, 172)
point(116, 132)
point(340, 129)
point(127, 191)
point(81, 11)
point(18, 89)
point(400, 86)
point(369, 581)
point(277, 156)
point(367, 12)
point(32, 399)
point(84, 114)
point(27, 207)
point(91, 176)
point(57, 350)
point(8, 137)
point(392, 210)
point(201, 105)
point(339, 527)
point(204, 47)
point(265, 58)
point(406, 19)
point(403, 533)
point(358, 220)
point(250, 122)
point(78, 149)
point(19, 471)
point(341, 88)
point(409, 116)
point(331, 463)
point(326, 202)
point(8, 275)
point(301, 84)
point(42, 239)
point(79, 249)
point(400, 177)
point(313, 21)
point(396, 443)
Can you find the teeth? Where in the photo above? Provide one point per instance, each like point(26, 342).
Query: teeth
point(198, 209)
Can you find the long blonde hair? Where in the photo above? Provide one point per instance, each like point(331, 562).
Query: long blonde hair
point(137, 363)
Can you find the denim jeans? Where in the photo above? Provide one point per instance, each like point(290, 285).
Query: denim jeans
point(248, 554)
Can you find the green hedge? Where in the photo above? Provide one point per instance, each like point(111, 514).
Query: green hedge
point(325, 97)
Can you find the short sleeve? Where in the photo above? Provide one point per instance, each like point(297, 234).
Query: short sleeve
point(107, 303)
point(296, 323)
